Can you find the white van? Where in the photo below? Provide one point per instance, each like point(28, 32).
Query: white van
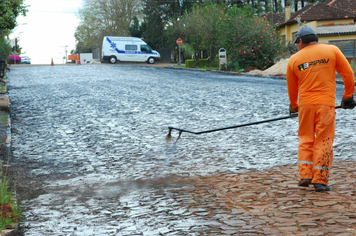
point(128, 49)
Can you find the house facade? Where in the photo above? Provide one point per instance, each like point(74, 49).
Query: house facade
point(333, 21)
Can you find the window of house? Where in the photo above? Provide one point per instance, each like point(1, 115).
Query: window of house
point(348, 47)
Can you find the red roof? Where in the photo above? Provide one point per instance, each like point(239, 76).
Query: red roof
point(346, 5)
point(275, 18)
point(320, 11)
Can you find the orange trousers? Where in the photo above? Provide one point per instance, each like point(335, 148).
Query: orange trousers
point(316, 137)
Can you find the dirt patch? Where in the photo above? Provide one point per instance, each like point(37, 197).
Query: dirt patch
point(280, 68)
point(251, 68)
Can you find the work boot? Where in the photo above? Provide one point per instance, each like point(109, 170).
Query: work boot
point(321, 187)
point(304, 182)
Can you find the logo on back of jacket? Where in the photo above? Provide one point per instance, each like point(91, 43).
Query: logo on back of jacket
point(306, 65)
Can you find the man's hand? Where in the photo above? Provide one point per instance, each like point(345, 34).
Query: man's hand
point(348, 103)
point(293, 110)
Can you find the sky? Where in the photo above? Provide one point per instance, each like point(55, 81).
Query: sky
point(47, 29)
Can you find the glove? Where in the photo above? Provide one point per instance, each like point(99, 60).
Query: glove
point(348, 103)
point(293, 110)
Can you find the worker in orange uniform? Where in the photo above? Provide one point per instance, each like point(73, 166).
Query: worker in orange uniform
point(311, 79)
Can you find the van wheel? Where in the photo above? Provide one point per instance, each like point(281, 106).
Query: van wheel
point(112, 60)
point(151, 60)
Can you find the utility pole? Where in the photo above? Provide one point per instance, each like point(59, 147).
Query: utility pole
point(66, 52)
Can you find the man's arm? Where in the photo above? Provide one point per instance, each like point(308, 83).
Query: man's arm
point(292, 86)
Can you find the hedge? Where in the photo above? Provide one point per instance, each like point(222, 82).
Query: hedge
point(190, 63)
point(203, 63)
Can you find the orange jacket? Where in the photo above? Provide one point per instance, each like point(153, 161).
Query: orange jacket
point(311, 74)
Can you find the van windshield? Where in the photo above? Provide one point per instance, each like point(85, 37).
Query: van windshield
point(146, 48)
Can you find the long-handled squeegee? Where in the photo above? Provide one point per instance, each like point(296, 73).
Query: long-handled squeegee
point(170, 128)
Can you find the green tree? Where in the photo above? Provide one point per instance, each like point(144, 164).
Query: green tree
point(249, 40)
point(5, 47)
point(100, 18)
point(87, 37)
point(187, 28)
point(157, 13)
point(210, 18)
point(154, 34)
point(9, 11)
point(202, 29)
point(299, 4)
point(135, 29)
point(237, 3)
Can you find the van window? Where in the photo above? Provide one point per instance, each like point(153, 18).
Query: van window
point(129, 47)
point(146, 48)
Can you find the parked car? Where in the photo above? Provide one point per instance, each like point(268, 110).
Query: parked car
point(25, 60)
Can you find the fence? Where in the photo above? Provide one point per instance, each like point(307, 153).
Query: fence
point(96, 53)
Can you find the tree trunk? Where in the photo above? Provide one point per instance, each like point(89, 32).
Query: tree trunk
point(295, 5)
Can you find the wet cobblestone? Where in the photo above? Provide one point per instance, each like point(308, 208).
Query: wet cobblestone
point(247, 204)
point(89, 156)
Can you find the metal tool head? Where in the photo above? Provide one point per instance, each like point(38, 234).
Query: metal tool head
point(169, 136)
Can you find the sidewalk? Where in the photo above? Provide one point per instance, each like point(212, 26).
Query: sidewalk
point(269, 202)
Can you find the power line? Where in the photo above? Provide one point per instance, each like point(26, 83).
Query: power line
point(56, 11)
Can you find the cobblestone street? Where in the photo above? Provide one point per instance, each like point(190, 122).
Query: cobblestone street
point(90, 156)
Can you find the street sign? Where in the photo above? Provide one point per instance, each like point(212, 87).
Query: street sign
point(179, 42)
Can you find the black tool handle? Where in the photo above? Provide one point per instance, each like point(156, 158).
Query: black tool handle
point(235, 126)
point(292, 115)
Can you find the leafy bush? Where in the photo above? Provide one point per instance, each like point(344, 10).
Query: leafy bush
point(187, 50)
point(199, 29)
point(249, 40)
point(216, 62)
point(203, 63)
point(14, 59)
point(233, 66)
point(190, 63)
point(5, 48)
point(9, 209)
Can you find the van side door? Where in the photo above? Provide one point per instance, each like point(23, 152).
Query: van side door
point(131, 52)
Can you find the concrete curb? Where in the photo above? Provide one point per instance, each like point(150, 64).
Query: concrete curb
point(6, 146)
point(280, 77)
point(10, 232)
